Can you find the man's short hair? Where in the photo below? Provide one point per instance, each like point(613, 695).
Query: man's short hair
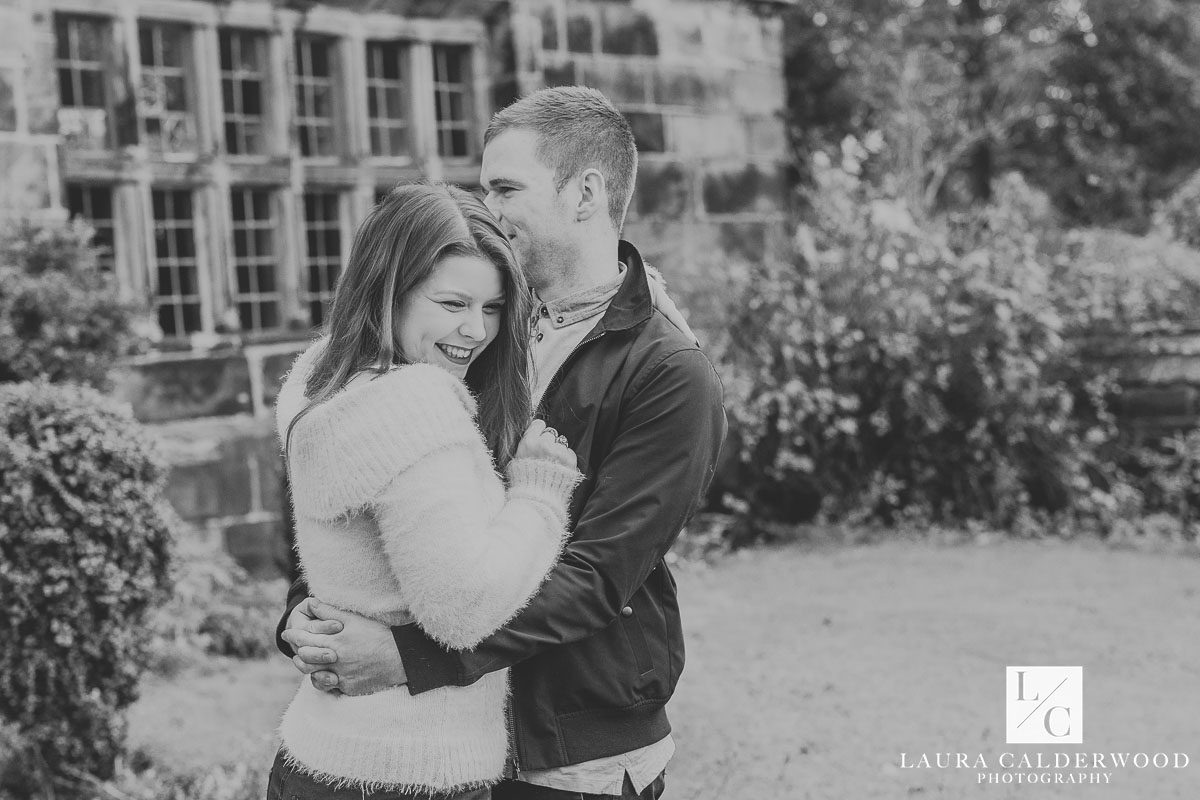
point(577, 128)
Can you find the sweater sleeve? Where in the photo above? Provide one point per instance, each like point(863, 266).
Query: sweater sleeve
point(463, 572)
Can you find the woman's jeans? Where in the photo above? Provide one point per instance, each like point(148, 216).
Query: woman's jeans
point(288, 783)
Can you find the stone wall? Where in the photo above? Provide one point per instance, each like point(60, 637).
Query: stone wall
point(211, 414)
point(700, 80)
point(1160, 380)
point(703, 87)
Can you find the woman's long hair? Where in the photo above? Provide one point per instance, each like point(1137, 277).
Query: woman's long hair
point(396, 250)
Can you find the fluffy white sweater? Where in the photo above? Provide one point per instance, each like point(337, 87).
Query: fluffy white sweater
point(401, 516)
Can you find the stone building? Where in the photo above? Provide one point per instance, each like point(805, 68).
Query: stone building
point(226, 150)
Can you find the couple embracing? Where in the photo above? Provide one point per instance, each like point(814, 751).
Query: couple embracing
point(491, 448)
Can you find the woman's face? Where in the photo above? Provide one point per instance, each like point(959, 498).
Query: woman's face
point(450, 318)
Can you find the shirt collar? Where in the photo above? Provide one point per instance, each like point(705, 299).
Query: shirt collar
point(581, 305)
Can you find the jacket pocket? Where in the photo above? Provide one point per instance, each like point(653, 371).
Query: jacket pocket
point(637, 642)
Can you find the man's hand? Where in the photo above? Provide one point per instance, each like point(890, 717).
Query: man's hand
point(343, 651)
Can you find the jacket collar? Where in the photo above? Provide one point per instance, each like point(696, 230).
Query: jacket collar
point(631, 306)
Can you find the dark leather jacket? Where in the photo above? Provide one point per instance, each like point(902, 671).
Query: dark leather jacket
point(597, 653)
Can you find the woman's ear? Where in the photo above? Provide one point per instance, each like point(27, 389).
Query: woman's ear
point(593, 195)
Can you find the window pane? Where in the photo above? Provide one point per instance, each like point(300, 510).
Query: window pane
point(185, 244)
point(191, 316)
point(62, 37)
point(188, 282)
point(266, 278)
point(90, 39)
point(226, 45)
point(174, 93)
point(172, 37)
point(66, 88)
point(254, 138)
point(146, 45)
point(252, 98)
point(320, 59)
point(166, 281)
point(166, 320)
point(398, 142)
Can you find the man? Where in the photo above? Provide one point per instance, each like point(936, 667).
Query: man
point(596, 654)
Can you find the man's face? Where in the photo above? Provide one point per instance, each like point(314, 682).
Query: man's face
point(533, 213)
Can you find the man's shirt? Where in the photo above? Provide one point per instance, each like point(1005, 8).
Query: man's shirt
point(558, 328)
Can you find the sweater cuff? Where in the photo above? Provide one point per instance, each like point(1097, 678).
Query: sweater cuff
point(427, 664)
point(539, 479)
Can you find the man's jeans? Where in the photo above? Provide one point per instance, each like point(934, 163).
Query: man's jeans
point(518, 790)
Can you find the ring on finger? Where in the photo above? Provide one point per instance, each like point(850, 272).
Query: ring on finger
point(550, 431)
point(561, 439)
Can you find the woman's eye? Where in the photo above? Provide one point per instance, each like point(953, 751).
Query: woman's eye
point(454, 305)
point(493, 308)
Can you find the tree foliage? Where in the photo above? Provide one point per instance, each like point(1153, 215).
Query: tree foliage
point(1095, 101)
point(60, 316)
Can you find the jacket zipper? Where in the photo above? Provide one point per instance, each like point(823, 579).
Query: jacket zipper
point(557, 379)
point(514, 761)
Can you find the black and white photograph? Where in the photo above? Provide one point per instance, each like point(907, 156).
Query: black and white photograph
point(599, 399)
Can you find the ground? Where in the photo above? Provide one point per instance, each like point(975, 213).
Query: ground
point(811, 670)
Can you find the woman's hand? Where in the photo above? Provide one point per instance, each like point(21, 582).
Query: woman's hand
point(546, 444)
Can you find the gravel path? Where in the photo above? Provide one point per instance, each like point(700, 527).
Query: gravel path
point(811, 670)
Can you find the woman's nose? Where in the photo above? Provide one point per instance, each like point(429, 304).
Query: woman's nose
point(473, 327)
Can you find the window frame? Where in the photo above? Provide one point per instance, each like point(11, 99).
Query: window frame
point(402, 56)
point(326, 262)
point(255, 297)
point(107, 262)
point(107, 43)
point(202, 296)
point(186, 72)
point(300, 81)
point(443, 90)
point(238, 76)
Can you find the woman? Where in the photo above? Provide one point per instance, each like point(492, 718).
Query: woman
point(400, 514)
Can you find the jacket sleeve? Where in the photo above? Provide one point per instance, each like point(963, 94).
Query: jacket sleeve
point(296, 593)
point(651, 482)
point(465, 570)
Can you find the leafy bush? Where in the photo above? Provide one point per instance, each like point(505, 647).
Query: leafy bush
point(84, 554)
point(60, 316)
point(1166, 473)
point(1179, 216)
point(911, 371)
point(215, 609)
point(1112, 284)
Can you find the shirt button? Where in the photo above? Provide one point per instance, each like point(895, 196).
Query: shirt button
point(545, 311)
point(626, 612)
point(540, 335)
point(558, 319)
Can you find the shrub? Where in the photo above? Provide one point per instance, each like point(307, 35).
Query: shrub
point(1179, 216)
point(1114, 285)
point(60, 316)
point(911, 371)
point(215, 609)
point(84, 543)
